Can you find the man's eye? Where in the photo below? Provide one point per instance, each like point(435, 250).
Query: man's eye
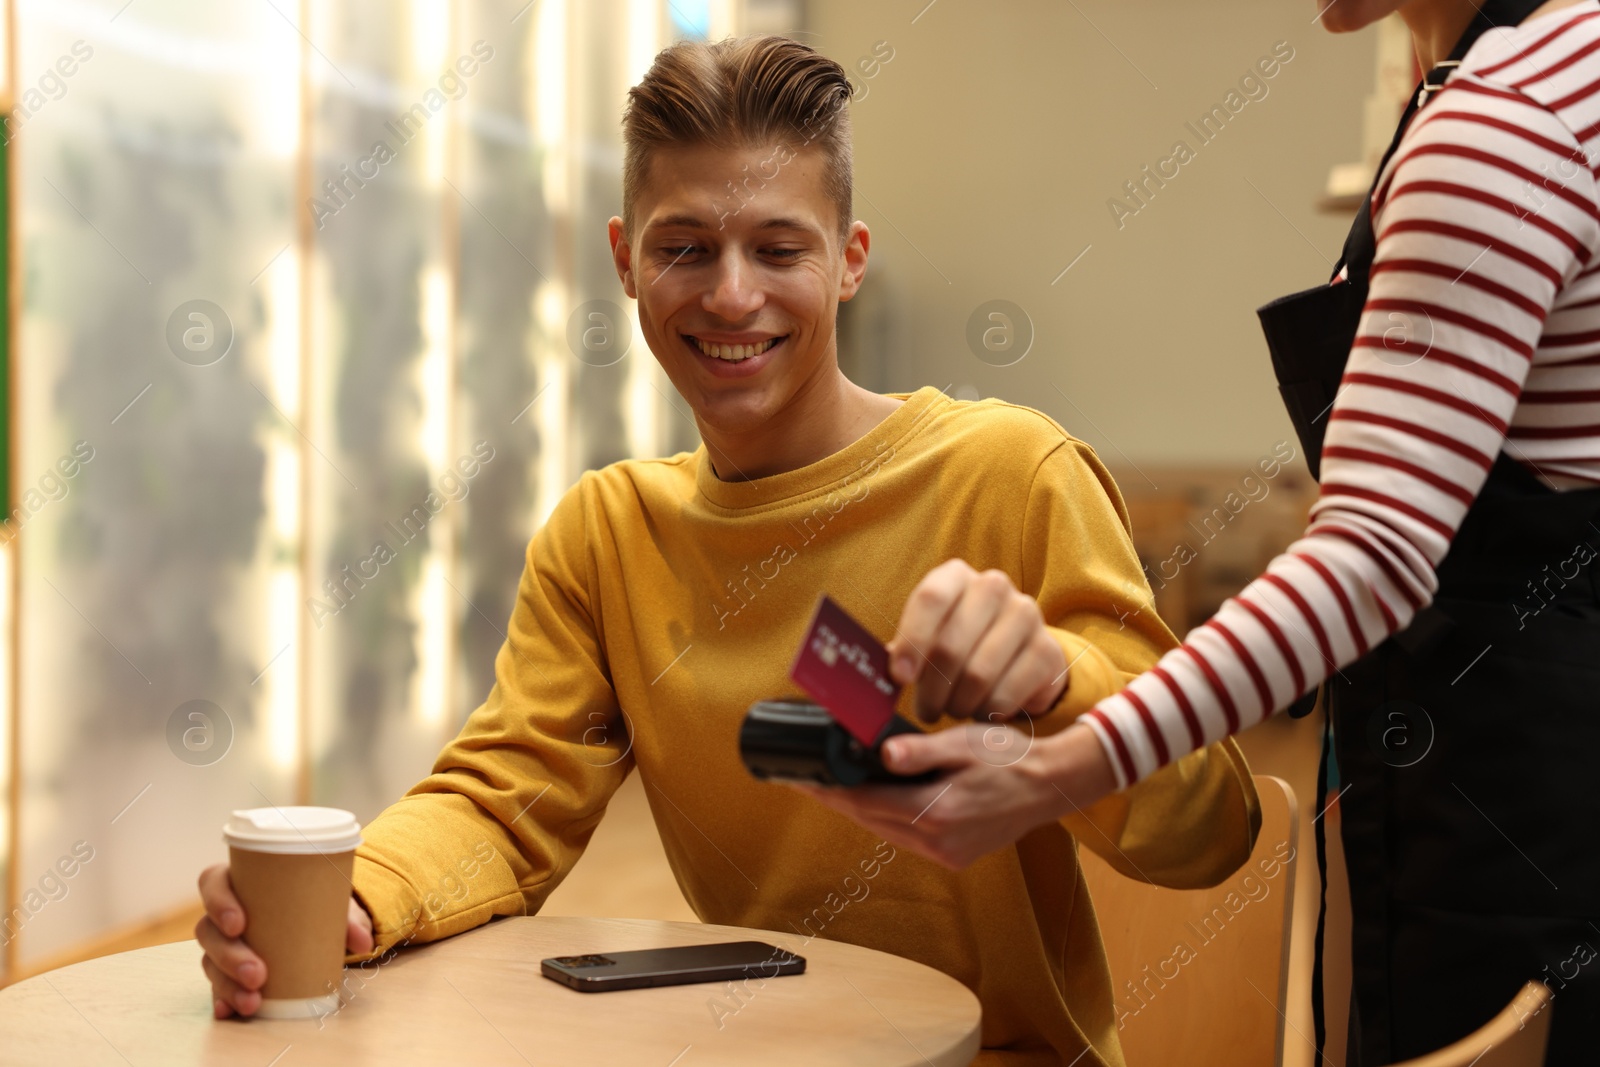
point(783, 253)
point(678, 251)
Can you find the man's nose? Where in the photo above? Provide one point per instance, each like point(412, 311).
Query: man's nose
point(735, 293)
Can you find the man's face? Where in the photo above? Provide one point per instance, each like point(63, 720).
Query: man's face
point(738, 287)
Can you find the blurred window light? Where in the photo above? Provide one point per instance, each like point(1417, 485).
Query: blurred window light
point(430, 37)
point(644, 37)
point(282, 674)
point(430, 51)
point(729, 18)
point(283, 332)
point(691, 19)
point(550, 100)
point(283, 488)
point(431, 698)
point(368, 349)
point(550, 408)
point(433, 370)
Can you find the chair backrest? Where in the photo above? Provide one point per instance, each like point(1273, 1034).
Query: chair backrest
point(1514, 1038)
point(1199, 976)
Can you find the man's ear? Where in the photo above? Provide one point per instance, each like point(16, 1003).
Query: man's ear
point(856, 244)
point(622, 255)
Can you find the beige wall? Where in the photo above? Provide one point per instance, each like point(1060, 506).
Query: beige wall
point(992, 142)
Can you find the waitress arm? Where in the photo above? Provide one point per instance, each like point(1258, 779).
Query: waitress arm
point(1471, 260)
point(1192, 823)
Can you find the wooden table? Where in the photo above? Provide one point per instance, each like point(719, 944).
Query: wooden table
point(479, 998)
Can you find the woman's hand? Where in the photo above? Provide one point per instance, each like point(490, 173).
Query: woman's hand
point(974, 645)
point(998, 786)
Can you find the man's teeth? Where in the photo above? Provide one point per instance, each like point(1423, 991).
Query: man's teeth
point(734, 353)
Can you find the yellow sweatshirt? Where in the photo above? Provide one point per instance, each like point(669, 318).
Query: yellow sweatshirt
point(658, 603)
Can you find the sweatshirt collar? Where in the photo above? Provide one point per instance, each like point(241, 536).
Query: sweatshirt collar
point(827, 472)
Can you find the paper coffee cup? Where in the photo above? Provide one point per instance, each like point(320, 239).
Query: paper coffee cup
point(290, 868)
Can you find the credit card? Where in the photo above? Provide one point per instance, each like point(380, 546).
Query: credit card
point(846, 670)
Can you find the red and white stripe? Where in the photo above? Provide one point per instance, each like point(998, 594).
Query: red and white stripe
point(1481, 334)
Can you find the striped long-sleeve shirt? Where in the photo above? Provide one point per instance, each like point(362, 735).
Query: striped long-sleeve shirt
point(1481, 334)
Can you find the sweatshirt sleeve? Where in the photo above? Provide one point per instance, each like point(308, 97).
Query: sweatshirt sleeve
point(1470, 260)
point(1194, 822)
point(514, 798)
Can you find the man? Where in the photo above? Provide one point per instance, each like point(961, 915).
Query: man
point(663, 597)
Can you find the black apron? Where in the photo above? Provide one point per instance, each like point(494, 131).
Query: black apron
point(1467, 744)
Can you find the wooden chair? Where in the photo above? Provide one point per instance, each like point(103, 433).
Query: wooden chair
point(1514, 1038)
point(1291, 749)
point(1199, 976)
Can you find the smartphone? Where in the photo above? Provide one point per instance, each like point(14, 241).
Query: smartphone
point(730, 961)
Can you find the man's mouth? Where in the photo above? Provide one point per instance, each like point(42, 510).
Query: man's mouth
point(733, 353)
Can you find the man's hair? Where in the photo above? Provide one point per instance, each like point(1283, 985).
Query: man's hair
point(744, 92)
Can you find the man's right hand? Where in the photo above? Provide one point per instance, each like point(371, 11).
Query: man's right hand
point(237, 973)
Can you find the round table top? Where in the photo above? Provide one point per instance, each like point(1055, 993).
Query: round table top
point(479, 998)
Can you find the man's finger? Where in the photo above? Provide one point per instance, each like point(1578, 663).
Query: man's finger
point(924, 613)
point(1031, 681)
point(233, 956)
point(1059, 679)
point(216, 894)
point(998, 656)
point(982, 600)
point(225, 990)
point(358, 939)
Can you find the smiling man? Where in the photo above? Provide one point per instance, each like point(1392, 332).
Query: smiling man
point(737, 240)
point(665, 596)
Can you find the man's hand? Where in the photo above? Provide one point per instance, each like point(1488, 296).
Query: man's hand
point(236, 973)
point(974, 645)
point(978, 806)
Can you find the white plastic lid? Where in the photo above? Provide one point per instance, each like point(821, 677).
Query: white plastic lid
point(293, 830)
